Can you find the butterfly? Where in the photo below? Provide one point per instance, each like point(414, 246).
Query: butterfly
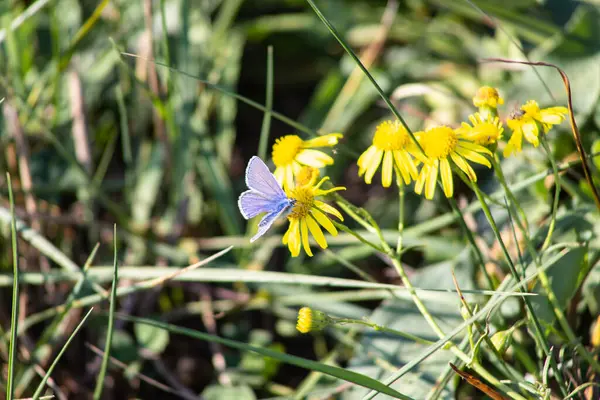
point(265, 196)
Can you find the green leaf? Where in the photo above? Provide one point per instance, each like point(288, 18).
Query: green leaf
point(347, 375)
point(151, 337)
point(564, 277)
point(218, 392)
point(403, 315)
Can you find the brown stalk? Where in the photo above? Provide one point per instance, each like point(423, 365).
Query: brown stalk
point(576, 134)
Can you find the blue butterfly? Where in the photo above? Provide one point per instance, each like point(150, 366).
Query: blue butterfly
point(265, 196)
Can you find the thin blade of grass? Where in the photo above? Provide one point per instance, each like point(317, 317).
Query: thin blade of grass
point(266, 122)
point(336, 372)
point(148, 275)
point(487, 309)
point(111, 321)
point(14, 316)
point(299, 127)
point(40, 387)
point(356, 59)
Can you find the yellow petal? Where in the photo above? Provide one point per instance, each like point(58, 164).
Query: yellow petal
point(387, 168)
point(320, 192)
point(330, 139)
point(553, 115)
point(373, 165)
point(280, 175)
point(514, 144)
point(316, 232)
point(472, 156)
point(399, 159)
point(328, 209)
point(446, 173)
point(304, 234)
point(531, 132)
point(294, 238)
point(431, 180)
point(408, 163)
point(420, 183)
point(286, 236)
point(475, 147)
point(313, 158)
point(289, 177)
point(464, 166)
point(324, 221)
point(365, 159)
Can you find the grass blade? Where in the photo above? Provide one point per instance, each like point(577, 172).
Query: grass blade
point(266, 123)
point(15, 296)
point(111, 320)
point(40, 387)
point(340, 373)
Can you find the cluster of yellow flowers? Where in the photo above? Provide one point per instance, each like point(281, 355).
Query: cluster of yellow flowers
point(436, 151)
point(440, 148)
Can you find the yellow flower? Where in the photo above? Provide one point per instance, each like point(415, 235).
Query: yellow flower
point(527, 123)
point(483, 131)
point(307, 214)
point(390, 143)
point(487, 97)
point(290, 153)
point(312, 320)
point(440, 145)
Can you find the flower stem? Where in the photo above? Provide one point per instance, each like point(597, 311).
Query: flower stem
point(401, 195)
point(539, 334)
point(471, 239)
point(383, 329)
point(557, 309)
point(511, 197)
point(556, 193)
point(477, 367)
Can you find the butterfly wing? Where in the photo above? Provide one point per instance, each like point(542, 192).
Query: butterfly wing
point(260, 179)
point(252, 203)
point(266, 222)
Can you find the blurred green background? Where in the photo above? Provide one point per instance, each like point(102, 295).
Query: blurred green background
point(94, 137)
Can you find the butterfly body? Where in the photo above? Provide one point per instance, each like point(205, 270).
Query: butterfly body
point(265, 195)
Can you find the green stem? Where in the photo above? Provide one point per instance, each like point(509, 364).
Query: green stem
point(539, 334)
point(344, 228)
point(471, 239)
point(382, 328)
point(477, 367)
point(511, 197)
point(401, 196)
point(556, 193)
point(557, 309)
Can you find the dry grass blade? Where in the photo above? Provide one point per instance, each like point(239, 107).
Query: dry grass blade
point(576, 134)
point(476, 382)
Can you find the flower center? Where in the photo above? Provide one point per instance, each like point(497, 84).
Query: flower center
point(390, 136)
point(531, 108)
point(485, 133)
point(438, 142)
point(306, 176)
point(304, 200)
point(487, 97)
point(286, 149)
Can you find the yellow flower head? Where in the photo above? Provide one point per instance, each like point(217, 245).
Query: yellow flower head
point(487, 97)
point(307, 214)
point(441, 145)
point(290, 153)
point(306, 176)
point(527, 123)
point(312, 320)
point(483, 131)
point(390, 143)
